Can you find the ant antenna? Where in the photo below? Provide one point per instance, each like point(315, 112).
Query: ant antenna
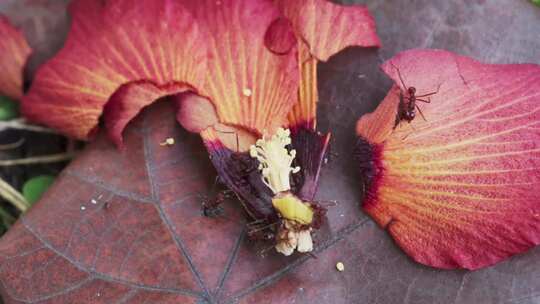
point(399, 75)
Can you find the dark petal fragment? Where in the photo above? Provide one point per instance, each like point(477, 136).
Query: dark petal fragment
point(240, 173)
point(310, 149)
point(369, 164)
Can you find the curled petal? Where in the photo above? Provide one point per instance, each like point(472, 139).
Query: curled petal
point(250, 86)
point(328, 27)
point(111, 44)
point(195, 113)
point(460, 189)
point(129, 100)
point(14, 52)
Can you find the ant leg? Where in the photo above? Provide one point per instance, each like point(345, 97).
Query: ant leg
point(327, 203)
point(263, 251)
point(405, 137)
point(432, 93)
point(261, 228)
point(228, 193)
point(424, 100)
point(255, 222)
point(214, 185)
point(420, 111)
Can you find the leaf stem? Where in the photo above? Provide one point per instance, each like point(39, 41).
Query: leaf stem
point(13, 196)
point(53, 158)
point(13, 145)
point(21, 124)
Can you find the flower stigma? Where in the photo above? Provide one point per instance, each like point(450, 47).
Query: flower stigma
point(276, 166)
point(275, 160)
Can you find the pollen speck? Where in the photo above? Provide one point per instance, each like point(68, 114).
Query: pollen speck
point(247, 92)
point(168, 142)
point(340, 267)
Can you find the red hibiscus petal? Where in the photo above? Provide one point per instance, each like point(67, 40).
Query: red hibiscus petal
point(129, 100)
point(195, 113)
point(111, 45)
point(14, 52)
point(460, 189)
point(250, 86)
point(304, 113)
point(328, 27)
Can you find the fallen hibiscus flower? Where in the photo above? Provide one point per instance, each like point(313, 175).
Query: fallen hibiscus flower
point(243, 74)
point(459, 187)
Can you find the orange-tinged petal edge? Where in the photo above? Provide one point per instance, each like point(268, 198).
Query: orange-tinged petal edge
point(328, 27)
point(112, 44)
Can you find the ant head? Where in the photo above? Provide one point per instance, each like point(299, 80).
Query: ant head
point(411, 90)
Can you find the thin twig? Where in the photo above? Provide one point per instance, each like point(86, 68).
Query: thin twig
point(13, 196)
point(53, 158)
point(13, 145)
point(21, 124)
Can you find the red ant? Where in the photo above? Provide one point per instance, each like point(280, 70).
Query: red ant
point(407, 110)
point(211, 207)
